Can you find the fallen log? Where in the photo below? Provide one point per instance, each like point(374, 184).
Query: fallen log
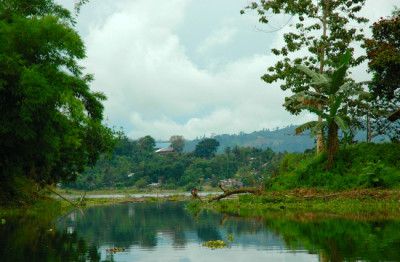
point(72, 203)
point(229, 192)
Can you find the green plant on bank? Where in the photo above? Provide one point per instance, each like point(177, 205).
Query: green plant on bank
point(367, 205)
point(328, 103)
point(365, 165)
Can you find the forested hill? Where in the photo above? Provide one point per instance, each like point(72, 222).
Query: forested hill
point(278, 140)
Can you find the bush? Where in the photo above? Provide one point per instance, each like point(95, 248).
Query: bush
point(141, 183)
point(364, 165)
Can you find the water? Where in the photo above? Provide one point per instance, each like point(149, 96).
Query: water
point(143, 195)
point(165, 231)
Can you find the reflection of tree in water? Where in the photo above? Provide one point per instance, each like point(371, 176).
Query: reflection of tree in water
point(339, 239)
point(143, 224)
point(133, 224)
point(33, 240)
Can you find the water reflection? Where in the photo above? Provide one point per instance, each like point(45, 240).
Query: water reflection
point(167, 232)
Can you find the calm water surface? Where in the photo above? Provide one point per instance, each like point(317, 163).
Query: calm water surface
point(165, 231)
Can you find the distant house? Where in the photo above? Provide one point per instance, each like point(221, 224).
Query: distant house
point(165, 151)
point(395, 115)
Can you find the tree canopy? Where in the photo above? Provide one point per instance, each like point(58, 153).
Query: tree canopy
point(177, 143)
point(383, 53)
point(51, 122)
point(206, 148)
point(322, 27)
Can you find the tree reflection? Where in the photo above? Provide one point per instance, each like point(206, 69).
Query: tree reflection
point(30, 239)
point(78, 237)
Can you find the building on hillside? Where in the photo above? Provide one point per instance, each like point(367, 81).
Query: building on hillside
point(165, 151)
point(231, 183)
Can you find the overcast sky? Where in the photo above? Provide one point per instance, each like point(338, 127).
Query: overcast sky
point(188, 67)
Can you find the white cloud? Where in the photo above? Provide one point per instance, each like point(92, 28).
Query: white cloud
point(217, 38)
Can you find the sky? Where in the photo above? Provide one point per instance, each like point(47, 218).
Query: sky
point(190, 67)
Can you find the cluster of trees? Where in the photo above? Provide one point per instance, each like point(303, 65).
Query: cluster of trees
point(136, 163)
point(50, 122)
point(320, 81)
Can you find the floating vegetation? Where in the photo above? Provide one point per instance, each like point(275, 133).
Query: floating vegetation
point(115, 250)
point(217, 244)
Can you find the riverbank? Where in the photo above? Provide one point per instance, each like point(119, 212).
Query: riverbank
point(355, 203)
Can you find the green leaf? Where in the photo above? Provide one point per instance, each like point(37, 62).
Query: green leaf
point(305, 126)
point(340, 73)
point(314, 110)
point(336, 105)
point(318, 127)
point(341, 122)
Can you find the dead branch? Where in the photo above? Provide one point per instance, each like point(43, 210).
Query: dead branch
point(72, 203)
point(82, 199)
point(228, 192)
point(195, 195)
point(242, 190)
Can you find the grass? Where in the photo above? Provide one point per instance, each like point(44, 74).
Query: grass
point(358, 203)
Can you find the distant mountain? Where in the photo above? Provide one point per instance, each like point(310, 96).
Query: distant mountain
point(279, 140)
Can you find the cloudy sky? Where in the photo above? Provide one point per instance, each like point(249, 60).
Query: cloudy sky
point(188, 67)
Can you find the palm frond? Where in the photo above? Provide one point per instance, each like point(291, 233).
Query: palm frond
point(341, 122)
point(318, 127)
point(306, 126)
point(314, 110)
point(336, 105)
point(340, 73)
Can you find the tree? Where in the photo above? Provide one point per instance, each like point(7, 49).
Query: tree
point(383, 53)
point(146, 144)
point(177, 143)
point(206, 148)
point(321, 28)
point(51, 123)
point(332, 91)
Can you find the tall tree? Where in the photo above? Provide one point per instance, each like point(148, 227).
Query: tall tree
point(146, 144)
point(322, 28)
point(206, 148)
point(51, 123)
point(334, 114)
point(177, 143)
point(383, 52)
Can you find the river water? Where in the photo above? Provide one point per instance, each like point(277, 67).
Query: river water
point(166, 231)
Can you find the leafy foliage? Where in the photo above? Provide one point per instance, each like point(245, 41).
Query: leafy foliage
point(130, 166)
point(329, 104)
point(335, 16)
point(51, 123)
point(206, 148)
point(383, 51)
point(363, 165)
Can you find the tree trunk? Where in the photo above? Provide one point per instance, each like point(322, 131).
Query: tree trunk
point(227, 192)
point(332, 144)
point(320, 137)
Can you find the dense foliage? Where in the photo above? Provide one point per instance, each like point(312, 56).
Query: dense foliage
point(365, 165)
point(383, 51)
point(134, 163)
point(50, 122)
point(329, 104)
point(323, 29)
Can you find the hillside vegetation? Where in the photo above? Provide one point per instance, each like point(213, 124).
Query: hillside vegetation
point(366, 165)
point(279, 140)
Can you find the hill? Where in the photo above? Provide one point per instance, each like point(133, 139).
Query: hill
point(279, 140)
